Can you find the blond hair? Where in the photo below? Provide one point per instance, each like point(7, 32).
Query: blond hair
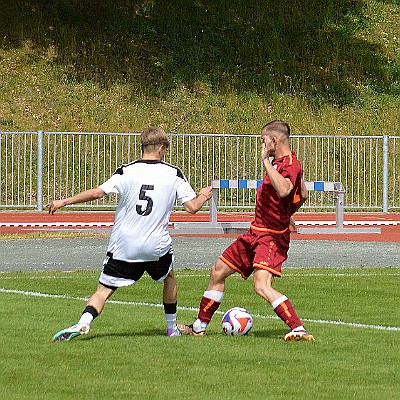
point(154, 136)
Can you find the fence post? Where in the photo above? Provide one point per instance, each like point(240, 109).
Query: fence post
point(385, 190)
point(213, 206)
point(39, 183)
point(339, 210)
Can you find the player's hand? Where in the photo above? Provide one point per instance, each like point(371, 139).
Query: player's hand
point(54, 205)
point(266, 147)
point(292, 224)
point(206, 192)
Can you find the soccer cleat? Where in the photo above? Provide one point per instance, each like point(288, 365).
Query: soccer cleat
point(299, 335)
point(71, 332)
point(188, 330)
point(174, 332)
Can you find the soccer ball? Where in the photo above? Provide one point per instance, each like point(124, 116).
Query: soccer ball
point(237, 322)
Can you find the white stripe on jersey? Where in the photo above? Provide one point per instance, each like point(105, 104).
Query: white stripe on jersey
point(148, 190)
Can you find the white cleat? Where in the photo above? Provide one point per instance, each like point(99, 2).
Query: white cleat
point(174, 332)
point(71, 332)
point(188, 330)
point(299, 335)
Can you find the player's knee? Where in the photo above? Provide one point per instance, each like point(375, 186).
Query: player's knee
point(214, 274)
point(170, 276)
point(262, 287)
point(259, 288)
point(218, 273)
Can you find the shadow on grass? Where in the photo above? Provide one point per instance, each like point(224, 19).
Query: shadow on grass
point(270, 333)
point(145, 333)
point(301, 47)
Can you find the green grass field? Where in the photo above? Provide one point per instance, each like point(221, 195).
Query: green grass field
point(353, 314)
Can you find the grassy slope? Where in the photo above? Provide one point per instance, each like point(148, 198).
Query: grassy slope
point(327, 67)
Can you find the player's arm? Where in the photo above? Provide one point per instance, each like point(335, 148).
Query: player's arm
point(87, 195)
point(194, 205)
point(303, 198)
point(282, 185)
point(303, 194)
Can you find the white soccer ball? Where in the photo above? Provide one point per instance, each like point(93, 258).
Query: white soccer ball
point(237, 322)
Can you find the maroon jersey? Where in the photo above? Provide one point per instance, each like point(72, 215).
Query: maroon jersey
point(272, 211)
point(265, 245)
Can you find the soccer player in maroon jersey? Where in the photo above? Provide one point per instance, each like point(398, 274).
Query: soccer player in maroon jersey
point(263, 248)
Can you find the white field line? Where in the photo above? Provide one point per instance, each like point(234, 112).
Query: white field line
point(133, 303)
point(337, 275)
point(303, 275)
point(331, 275)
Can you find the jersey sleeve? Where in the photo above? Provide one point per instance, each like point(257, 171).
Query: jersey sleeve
point(291, 171)
point(112, 185)
point(184, 192)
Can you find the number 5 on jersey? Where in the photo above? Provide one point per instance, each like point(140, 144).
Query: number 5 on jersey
point(142, 196)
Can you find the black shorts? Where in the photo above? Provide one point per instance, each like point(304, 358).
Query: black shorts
point(117, 273)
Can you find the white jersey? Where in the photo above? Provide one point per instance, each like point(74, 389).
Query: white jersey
point(148, 191)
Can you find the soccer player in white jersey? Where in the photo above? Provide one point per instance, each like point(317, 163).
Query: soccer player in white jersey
point(139, 241)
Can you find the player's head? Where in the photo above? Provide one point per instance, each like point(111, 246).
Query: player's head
point(276, 128)
point(276, 133)
point(152, 138)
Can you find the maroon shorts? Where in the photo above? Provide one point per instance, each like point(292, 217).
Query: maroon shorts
point(257, 250)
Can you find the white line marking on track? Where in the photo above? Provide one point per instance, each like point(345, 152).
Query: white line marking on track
point(133, 303)
point(83, 224)
point(56, 224)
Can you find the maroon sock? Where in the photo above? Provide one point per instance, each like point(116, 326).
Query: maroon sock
point(287, 314)
point(207, 309)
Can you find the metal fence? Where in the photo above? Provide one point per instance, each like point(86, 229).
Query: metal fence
point(37, 167)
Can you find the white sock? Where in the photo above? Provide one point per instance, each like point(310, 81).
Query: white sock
point(215, 295)
point(86, 318)
point(171, 320)
point(299, 328)
point(199, 326)
point(278, 301)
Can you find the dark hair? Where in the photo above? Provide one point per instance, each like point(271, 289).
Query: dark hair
point(277, 126)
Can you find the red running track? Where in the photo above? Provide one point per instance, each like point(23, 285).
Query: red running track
point(23, 222)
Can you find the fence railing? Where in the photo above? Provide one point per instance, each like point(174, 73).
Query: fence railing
point(37, 167)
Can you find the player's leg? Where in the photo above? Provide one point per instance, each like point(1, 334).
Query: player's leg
point(282, 306)
point(93, 308)
point(115, 274)
point(162, 271)
point(213, 295)
point(270, 254)
point(211, 299)
point(170, 300)
point(96, 303)
point(238, 257)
